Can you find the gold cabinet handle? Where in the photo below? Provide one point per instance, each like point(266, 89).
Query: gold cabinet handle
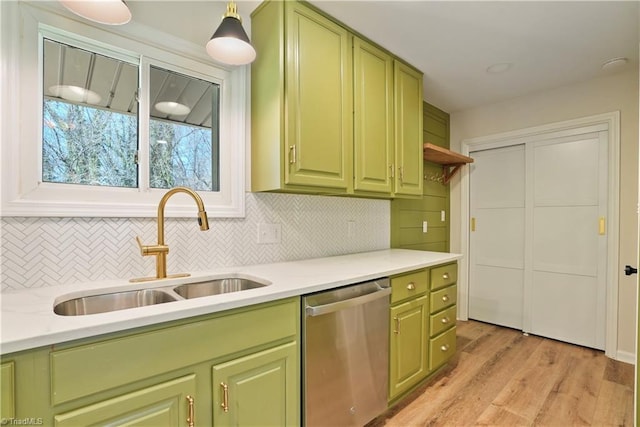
point(445, 276)
point(225, 397)
point(445, 298)
point(601, 226)
point(190, 411)
point(444, 347)
point(445, 320)
point(292, 154)
point(392, 171)
point(411, 286)
point(397, 329)
point(401, 169)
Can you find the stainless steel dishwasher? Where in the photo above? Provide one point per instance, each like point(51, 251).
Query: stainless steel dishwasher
point(346, 354)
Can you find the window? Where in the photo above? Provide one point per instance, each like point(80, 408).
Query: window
point(117, 122)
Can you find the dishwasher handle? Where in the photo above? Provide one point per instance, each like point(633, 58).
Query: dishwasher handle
point(318, 310)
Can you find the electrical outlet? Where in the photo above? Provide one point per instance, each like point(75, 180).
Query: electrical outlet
point(269, 233)
point(443, 216)
point(424, 226)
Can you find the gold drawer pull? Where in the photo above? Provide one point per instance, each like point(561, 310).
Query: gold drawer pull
point(445, 298)
point(411, 286)
point(397, 330)
point(190, 411)
point(444, 347)
point(445, 276)
point(445, 320)
point(225, 397)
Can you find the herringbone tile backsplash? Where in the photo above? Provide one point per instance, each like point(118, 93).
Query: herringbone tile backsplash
point(37, 252)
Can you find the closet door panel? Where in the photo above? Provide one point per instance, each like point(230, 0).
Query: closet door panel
point(498, 239)
point(553, 317)
point(497, 296)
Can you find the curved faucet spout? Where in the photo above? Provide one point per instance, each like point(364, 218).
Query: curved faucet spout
point(203, 221)
point(160, 250)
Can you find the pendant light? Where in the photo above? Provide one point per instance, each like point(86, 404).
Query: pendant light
point(230, 43)
point(110, 12)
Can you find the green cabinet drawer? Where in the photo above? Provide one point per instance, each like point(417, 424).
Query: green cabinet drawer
point(409, 285)
point(442, 321)
point(7, 391)
point(442, 348)
point(97, 366)
point(444, 276)
point(443, 298)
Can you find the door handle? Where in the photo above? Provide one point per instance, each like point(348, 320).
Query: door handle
point(628, 270)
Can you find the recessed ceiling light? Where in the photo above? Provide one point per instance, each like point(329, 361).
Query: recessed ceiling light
point(75, 94)
point(614, 63)
point(499, 68)
point(173, 108)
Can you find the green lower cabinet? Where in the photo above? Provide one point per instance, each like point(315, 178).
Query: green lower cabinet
point(257, 390)
point(159, 375)
point(164, 404)
point(7, 391)
point(408, 345)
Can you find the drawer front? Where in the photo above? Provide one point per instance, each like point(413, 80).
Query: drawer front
point(443, 298)
point(442, 321)
point(409, 285)
point(444, 276)
point(90, 368)
point(442, 348)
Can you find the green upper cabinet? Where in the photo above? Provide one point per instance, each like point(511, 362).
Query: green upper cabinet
point(373, 118)
point(331, 113)
point(408, 118)
point(302, 137)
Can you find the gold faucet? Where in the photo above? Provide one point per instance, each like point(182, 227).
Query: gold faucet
point(160, 250)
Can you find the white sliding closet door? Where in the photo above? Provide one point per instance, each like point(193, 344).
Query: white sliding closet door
point(567, 289)
point(538, 253)
point(497, 245)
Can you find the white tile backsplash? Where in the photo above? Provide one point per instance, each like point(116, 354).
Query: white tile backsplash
point(37, 252)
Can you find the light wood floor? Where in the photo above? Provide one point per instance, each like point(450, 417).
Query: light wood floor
point(500, 377)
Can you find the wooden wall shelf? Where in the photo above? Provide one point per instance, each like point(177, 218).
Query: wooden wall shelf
point(447, 158)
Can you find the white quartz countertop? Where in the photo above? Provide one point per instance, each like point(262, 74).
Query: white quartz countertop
point(28, 320)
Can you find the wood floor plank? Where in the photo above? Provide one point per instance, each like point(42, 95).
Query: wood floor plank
point(498, 377)
point(481, 389)
point(614, 406)
point(573, 398)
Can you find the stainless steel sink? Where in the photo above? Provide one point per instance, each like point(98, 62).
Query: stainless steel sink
point(112, 302)
point(216, 287)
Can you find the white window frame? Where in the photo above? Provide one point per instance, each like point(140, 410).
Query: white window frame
point(24, 193)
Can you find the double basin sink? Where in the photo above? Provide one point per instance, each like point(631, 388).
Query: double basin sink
point(107, 302)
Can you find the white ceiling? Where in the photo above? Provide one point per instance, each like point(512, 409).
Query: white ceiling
point(548, 43)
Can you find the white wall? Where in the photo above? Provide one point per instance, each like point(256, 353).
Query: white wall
point(617, 92)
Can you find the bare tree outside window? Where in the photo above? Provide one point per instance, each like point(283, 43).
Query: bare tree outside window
point(90, 123)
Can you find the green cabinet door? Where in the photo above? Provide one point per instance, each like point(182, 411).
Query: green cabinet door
point(408, 130)
point(261, 389)
point(164, 404)
point(373, 118)
point(409, 340)
point(319, 137)
point(7, 391)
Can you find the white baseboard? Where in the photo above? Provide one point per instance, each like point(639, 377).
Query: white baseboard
point(625, 356)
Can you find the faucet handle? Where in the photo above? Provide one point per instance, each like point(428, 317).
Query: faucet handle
point(151, 249)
